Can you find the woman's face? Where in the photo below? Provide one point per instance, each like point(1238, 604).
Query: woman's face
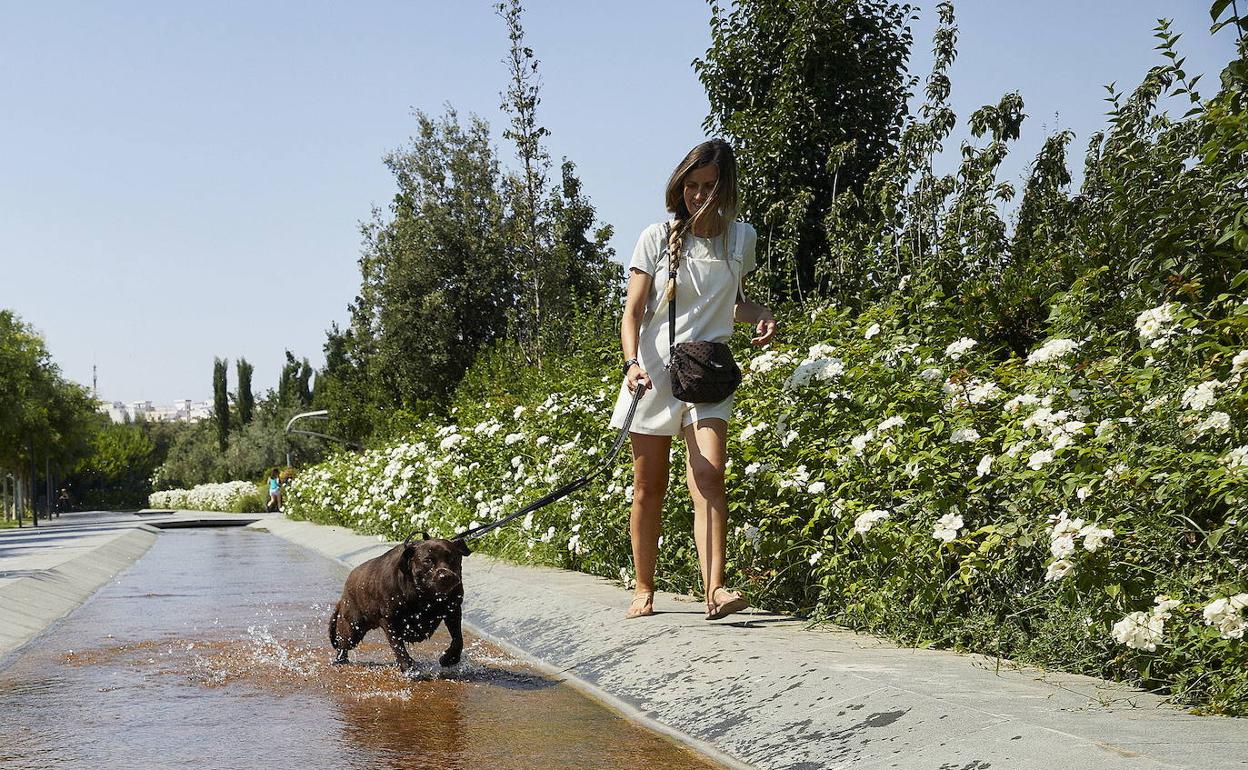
point(698, 186)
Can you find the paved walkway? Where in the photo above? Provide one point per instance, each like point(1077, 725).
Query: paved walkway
point(759, 691)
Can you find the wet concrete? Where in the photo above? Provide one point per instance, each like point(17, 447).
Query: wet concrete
point(212, 651)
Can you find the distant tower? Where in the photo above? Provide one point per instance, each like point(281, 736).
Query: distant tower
point(95, 384)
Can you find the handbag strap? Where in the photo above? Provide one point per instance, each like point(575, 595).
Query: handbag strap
point(671, 304)
point(737, 251)
point(671, 276)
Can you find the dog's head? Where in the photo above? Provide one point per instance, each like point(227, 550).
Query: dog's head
point(436, 565)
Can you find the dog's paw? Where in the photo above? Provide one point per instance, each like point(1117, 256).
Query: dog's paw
point(448, 658)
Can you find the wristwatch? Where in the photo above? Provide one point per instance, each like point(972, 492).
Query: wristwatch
point(629, 365)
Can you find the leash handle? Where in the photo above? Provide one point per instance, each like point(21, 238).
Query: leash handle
point(571, 486)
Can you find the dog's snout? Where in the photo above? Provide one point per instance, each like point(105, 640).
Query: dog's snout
point(445, 578)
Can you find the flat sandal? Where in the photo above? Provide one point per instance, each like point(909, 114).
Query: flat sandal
point(646, 608)
point(717, 610)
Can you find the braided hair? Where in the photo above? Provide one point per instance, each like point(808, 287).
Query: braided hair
point(719, 209)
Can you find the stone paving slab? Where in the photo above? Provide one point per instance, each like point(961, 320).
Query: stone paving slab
point(762, 690)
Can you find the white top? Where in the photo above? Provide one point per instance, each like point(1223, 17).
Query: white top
point(706, 287)
point(706, 291)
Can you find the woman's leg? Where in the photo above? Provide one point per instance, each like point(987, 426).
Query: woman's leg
point(706, 442)
point(651, 466)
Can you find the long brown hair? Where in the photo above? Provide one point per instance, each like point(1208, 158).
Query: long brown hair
point(719, 210)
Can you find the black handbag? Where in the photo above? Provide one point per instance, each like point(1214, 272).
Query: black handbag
point(700, 371)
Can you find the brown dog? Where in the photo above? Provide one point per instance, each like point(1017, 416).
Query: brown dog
point(406, 591)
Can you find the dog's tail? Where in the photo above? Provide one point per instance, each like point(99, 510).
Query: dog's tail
point(333, 627)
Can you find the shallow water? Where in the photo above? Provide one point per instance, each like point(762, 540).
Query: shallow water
point(212, 651)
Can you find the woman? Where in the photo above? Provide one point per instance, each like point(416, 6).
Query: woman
point(275, 492)
point(711, 253)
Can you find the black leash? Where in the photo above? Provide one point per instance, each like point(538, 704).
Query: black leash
point(568, 488)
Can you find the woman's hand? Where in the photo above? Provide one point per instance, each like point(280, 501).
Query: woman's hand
point(749, 311)
point(764, 329)
point(636, 375)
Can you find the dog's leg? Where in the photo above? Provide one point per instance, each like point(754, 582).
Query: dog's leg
point(395, 638)
point(451, 656)
point(341, 642)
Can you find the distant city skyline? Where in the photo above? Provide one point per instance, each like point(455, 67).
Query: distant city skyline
point(184, 410)
point(186, 182)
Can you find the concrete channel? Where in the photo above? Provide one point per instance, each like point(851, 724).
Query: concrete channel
point(211, 651)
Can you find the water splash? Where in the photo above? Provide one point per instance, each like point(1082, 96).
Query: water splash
point(267, 650)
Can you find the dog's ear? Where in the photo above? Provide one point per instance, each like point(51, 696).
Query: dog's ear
point(424, 534)
point(461, 546)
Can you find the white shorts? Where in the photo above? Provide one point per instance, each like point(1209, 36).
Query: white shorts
point(659, 413)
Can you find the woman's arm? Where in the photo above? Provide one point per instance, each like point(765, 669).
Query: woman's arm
point(638, 292)
point(750, 312)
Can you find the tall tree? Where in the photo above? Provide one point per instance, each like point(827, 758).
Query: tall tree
point(465, 256)
point(43, 417)
point(593, 281)
point(118, 471)
point(288, 382)
point(563, 263)
point(436, 282)
point(342, 387)
point(527, 191)
point(812, 95)
point(245, 399)
point(305, 383)
point(221, 401)
point(336, 360)
point(890, 227)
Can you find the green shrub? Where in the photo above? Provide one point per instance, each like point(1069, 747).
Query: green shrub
point(228, 497)
point(1105, 440)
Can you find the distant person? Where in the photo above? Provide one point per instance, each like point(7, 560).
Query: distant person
point(702, 196)
point(62, 501)
point(275, 492)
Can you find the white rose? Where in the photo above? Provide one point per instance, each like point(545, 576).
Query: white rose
point(865, 521)
point(1058, 569)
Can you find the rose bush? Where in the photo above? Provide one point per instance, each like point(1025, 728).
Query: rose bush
point(924, 487)
point(229, 496)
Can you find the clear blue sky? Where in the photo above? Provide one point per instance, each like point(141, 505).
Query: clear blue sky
point(182, 181)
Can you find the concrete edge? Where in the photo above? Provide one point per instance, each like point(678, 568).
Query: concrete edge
point(620, 707)
point(202, 522)
point(64, 588)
